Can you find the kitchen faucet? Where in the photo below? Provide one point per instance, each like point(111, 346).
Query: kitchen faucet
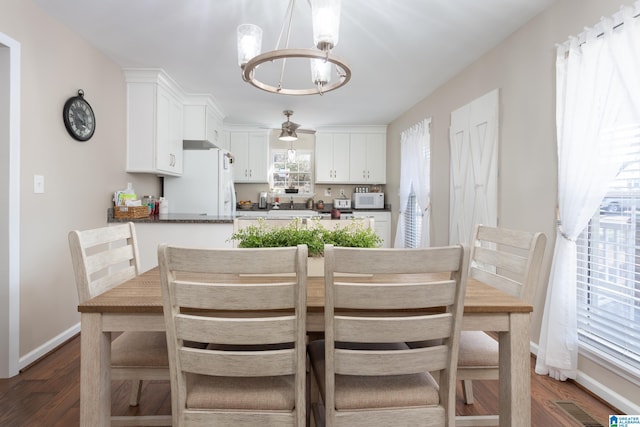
point(291, 203)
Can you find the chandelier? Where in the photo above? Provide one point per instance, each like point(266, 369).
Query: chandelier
point(326, 22)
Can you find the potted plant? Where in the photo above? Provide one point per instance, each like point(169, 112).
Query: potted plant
point(311, 232)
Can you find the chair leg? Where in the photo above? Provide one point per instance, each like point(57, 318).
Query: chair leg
point(467, 390)
point(136, 388)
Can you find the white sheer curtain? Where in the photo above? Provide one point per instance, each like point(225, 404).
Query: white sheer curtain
point(593, 97)
point(415, 155)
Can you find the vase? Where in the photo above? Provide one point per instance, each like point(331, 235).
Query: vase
point(315, 266)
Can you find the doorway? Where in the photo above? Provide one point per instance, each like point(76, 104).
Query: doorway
point(10, 206)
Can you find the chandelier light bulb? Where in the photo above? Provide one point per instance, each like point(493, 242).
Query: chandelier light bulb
point(249, 42)
point(325, 16)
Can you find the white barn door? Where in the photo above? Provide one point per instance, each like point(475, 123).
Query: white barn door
point(473, 137)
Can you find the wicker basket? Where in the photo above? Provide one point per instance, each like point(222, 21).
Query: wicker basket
point(129, 212)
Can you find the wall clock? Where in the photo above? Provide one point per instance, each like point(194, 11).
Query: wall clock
point(79, 118)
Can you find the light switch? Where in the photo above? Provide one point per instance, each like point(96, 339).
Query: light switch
point(38, 184)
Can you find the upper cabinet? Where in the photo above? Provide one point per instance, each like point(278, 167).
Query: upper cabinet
point(250, 150)
point(351, 155)
point(332, 157)
point(154, 122)
point(368, 159)
point(202, 120)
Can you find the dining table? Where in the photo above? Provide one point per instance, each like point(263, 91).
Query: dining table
point(136, 305)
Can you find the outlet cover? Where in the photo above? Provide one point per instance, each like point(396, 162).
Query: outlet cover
point(327, 192)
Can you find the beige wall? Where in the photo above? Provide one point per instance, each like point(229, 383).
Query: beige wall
point(79, 177)
point(523, 68)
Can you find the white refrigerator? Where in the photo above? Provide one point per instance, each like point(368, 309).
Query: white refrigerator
point(206, 185)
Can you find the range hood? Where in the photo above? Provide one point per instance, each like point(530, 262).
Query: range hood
point(198, 144)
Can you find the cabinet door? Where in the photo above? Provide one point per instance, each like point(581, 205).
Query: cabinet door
point(324, 158)
point(250, 150)
point(358, 158)
point(258, 154)
point(164, 160)
point(239, 147)
point(368, 158)
point(376, 158)
point(341, 156)
point(332, 157)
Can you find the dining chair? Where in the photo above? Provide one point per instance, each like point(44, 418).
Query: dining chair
point(102, 259)
point(509, 260)
point(363, 372)
point(252, 373)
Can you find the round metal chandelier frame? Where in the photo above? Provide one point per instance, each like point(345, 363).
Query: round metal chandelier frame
point(248, 70)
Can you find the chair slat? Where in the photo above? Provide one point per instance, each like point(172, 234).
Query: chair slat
point(238, 363)
point(406, 261)
point(502, 260)
point(239, 418)
point(391, 362)
point(261, 330)
point(414, 417)
point(384, 330)
point(112, 257)
point(224, 296)
point(379, 296)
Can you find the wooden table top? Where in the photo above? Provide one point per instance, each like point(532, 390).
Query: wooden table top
point(142, 295)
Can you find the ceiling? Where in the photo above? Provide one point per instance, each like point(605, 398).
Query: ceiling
point(399, 51)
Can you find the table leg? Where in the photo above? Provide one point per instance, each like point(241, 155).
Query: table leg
point(515, 381)
point(95, 372)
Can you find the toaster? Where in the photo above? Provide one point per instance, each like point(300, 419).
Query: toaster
point(342, 203)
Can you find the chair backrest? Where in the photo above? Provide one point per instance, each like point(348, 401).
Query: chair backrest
point(265, 318)
point(508, 260)
point(103, 258)
point(420, 296)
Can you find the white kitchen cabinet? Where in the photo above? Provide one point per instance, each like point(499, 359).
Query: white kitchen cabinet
point(381, 222)
point(202, 120)
point(251, 156)
point(154, 123)
point(332, 157)
point(368, 158)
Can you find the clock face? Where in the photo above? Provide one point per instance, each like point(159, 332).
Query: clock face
point(79, 118)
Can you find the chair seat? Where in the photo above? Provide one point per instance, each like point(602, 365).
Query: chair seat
point(366, 392)
point(138, 349)
point(477, 349)
point(241, 393)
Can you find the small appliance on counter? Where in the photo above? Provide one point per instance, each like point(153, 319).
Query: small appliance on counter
point(342, 203)
point(367, 200)
point(262, 200)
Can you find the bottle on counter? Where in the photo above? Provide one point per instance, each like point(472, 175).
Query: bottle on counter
point(164, 206)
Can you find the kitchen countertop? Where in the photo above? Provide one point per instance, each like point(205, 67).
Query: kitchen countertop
point(174, 218)
point(216, 219)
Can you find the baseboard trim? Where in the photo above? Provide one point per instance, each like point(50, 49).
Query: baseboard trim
point(47, 347)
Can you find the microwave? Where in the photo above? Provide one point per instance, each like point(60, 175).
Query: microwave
point(367, 200)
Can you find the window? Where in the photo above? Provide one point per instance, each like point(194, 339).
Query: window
point(413, 222)
point(608, 282)
point(292, 169)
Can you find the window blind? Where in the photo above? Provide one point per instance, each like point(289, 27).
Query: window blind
point(413, 222)
point(608, 273)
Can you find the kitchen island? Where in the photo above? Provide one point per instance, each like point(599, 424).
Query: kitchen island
point(215, 231)
point(210, 231)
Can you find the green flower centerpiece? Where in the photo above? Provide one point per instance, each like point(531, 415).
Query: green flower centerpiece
point(310, 232)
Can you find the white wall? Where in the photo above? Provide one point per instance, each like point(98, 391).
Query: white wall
point(79, 177)
point(523, 68)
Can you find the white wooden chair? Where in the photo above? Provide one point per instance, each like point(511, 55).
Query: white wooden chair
point(253, 371)
point(509, 260)
point(365, 373)
point(103, 258)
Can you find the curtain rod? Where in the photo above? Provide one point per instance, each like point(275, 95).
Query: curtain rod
point(615, 16)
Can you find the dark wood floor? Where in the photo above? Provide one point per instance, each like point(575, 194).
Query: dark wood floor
point(48, 394)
